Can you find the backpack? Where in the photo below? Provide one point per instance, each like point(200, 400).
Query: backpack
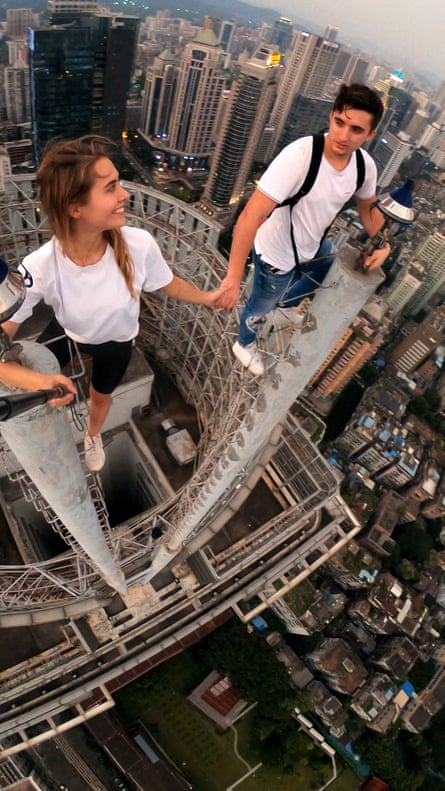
point(309, 181)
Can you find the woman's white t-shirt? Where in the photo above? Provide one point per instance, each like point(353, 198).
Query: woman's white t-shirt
point(315, 211)
point(92, 303)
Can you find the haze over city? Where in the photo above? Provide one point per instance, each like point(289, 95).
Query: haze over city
point(411, 33)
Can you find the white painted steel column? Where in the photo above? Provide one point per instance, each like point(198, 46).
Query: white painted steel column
point(344, 292)
point(43, 443)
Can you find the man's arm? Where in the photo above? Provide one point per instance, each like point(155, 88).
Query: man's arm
point(11, 328)
point(371, 217)
point(372, 220)
point(254, 213)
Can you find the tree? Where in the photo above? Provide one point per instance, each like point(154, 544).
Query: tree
point(407, 570)
point(385, 755)
point(415, 544)
point(254, 669)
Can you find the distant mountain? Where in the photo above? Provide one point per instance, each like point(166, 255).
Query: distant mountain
point(196, 10)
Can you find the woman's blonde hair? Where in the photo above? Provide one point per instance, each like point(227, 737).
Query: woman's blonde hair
point(66, 176)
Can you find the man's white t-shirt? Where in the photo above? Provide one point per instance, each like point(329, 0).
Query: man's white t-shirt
point(92, 303)
point(313, 213)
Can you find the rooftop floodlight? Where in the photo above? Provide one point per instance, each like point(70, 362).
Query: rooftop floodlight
point(397, 209)
point(13, 285)
point(397, 205)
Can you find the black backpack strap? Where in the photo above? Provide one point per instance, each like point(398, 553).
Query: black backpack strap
point(361, 168)
point(311, 175)
point(308, 183)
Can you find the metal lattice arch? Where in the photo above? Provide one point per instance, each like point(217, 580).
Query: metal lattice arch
point(192, 342)
point(244, 424)
point(185, 567)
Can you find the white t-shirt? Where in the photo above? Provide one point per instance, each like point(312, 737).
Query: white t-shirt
point(313, 213)
point(92, 303)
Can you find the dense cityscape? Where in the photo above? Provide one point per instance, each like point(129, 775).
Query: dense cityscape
point(284, 621)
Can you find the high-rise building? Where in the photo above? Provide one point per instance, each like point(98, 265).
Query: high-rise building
point(389, 152)
point(431, 138)
point(62, 11)
point(226, 34)
point(359, 343)
point(80, 74)
point(351, 66)
point(282, 34)
point(402, 107)
point(417, 125)
point(199, 88)
point(159, 96)
point(431, 252)
point(5, 167)
point(306, 116)
point(421, 340)
point(403, 288)
point(17, 99)
point(18, 20)
point(309, 66)
point(331, 32)
point(247, 110)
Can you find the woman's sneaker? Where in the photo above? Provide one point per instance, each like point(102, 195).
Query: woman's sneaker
point(250, 357)
point(94, 452)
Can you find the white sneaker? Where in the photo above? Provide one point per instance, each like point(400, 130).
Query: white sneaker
point(94, 452)
point(296, 319)
point(250, 357)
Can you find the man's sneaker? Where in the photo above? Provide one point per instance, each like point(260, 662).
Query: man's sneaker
point(94, 452)
point(296, 319)
point(250, 357)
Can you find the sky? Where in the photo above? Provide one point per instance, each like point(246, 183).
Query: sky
point(407, 32)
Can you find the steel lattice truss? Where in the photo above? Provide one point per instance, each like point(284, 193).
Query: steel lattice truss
point(192, 342)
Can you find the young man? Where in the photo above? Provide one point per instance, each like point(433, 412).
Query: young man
point(353, 120)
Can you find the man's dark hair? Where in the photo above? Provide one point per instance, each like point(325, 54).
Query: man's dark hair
point(359, 97)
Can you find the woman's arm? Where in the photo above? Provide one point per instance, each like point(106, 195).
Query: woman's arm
point(184, 292)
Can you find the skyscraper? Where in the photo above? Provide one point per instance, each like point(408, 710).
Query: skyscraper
point(226, 34)
point(309, 66)
point(282, 34)
point(420, 341)
point(18, 20)
point(306, 116)
point(80, 73)
point(402, 290)
point(198, 92)
point(359, 343)
point(159, 95)
point(351, 66)
point(432, 253)
point(246, 113)
point(331, 32)
point(16, 82)
point(388, 153)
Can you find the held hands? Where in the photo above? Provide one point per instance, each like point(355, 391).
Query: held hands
point(227, 295)
point(221, 297)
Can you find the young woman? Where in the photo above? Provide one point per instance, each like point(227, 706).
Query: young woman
point(91, 273)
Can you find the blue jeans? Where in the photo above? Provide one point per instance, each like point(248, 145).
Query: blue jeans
point(284, 290)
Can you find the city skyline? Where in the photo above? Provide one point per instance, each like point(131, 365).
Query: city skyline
point(390, 24)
